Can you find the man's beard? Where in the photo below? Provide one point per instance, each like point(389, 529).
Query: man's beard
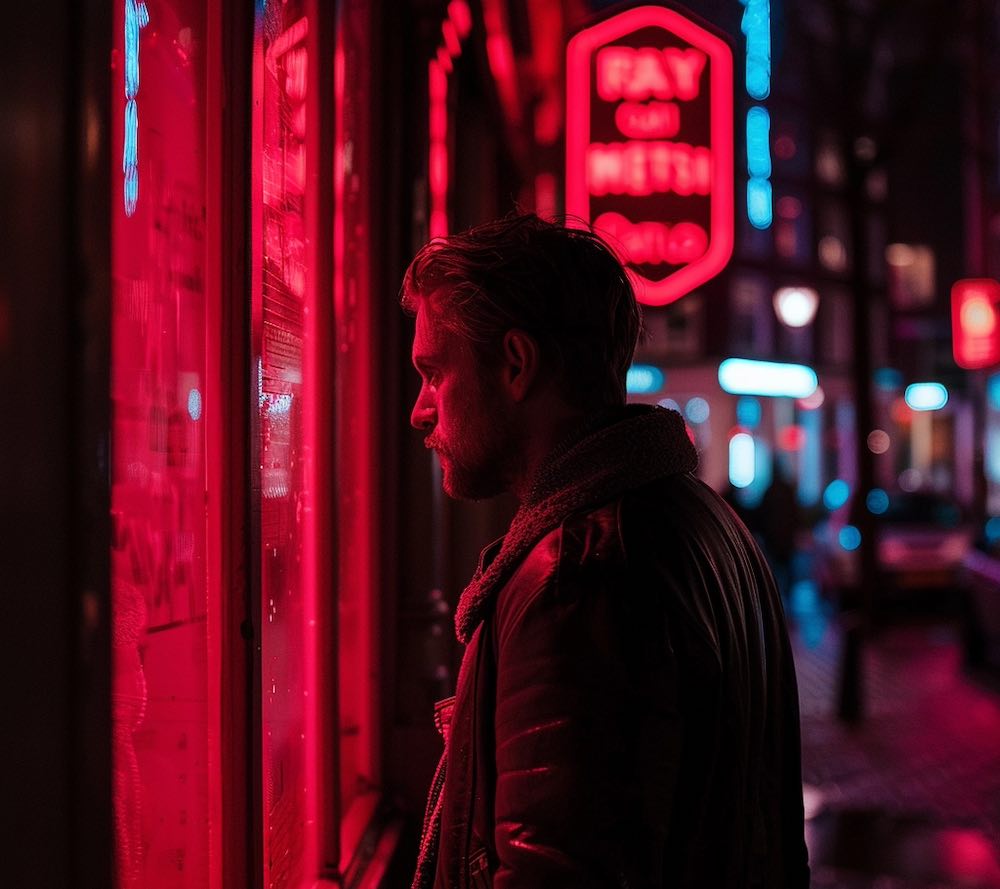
point(480, 464)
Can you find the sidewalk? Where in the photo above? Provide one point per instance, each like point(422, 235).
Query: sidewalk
point(910, 798)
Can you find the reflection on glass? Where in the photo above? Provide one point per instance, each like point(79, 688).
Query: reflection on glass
point(160, 494)
point(281, 315)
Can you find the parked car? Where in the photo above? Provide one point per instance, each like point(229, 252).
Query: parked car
point(922, 538)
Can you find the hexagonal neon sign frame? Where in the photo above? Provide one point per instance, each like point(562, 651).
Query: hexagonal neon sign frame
point(580, 52)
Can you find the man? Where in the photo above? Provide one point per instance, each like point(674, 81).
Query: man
point(626, 713)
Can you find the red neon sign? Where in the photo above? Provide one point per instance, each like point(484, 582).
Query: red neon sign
point(974, 323)
point(649, 146)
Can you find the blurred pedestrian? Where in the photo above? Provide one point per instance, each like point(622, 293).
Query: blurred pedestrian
point(778, 521)
point(626, 712)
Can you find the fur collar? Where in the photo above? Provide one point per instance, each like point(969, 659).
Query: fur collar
point(592, 467)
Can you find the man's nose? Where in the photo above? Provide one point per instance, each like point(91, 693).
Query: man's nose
point(422, 417)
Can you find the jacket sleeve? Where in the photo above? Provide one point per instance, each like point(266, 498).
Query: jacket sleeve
point(571, 807)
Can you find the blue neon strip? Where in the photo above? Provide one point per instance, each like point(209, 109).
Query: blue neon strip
point(136, 18)
point(130, 158)
point(759, 203)
point(758, 142)
point(756, 25)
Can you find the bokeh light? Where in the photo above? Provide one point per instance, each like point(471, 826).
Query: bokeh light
point(849, 537)
point(878, 441)
point(837, 493)
point(877, 501)
point(697, 410)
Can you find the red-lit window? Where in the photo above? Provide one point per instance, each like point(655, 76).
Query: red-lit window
point(283, 294)
point(165, 596)
point(358, 555)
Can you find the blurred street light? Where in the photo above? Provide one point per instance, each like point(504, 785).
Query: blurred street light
point(796, 306)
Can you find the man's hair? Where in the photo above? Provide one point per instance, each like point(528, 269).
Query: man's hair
point(564, 286)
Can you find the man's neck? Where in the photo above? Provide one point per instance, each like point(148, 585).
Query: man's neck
point(542, 439)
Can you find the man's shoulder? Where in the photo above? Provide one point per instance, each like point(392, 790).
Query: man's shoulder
point(586, 541)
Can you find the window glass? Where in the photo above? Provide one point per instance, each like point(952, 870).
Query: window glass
point(280, 312)
point(161, 489)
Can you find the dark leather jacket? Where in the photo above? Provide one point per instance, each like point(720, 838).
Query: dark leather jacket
point(626, 715)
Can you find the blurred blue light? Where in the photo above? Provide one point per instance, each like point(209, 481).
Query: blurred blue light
point(756, 25)
point(888, 378)
point(748, 412)
point(643, 379)
point(194, 404)
point(669, 404)
point(993, 391)
point(697, 410)
point(759, 205)
point(926, 396)
point(136, 18)
point(742, 460)
point(849, 537)
point(758, 148)
point(837, 493)
point(992, 529)
point(745, 376)
point(877, 501)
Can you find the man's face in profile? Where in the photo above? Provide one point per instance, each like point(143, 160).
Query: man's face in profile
point(461, 410)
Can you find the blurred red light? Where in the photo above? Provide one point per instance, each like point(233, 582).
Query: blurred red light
point(614, 166)
point(791, 438)
point(975, 339)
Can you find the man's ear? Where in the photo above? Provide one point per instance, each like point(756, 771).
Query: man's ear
point(521, 363)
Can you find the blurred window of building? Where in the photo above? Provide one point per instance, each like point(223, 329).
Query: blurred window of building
point(790, 148)
point(683, 328)
point(835, 324)
point(833, 246)
point(878, 314)
point(910, 269)
point(877, 237)
point(754, 243)
point(751, 329)
point(877, 185)
point(796, 342)
point(792, 228)
point(830, 168)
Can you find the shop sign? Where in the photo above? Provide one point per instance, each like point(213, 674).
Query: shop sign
point(649, 146)
point(974, 321)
